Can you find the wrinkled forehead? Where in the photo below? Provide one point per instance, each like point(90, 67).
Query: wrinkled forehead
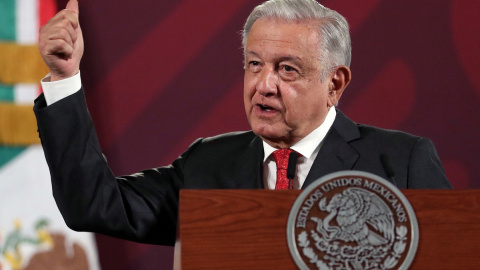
point(280, 33)
point(272, 25)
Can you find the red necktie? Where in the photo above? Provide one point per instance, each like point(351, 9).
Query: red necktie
point(281, 158)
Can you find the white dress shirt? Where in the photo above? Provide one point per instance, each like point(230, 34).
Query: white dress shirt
point(308, 147)
point(55, 91)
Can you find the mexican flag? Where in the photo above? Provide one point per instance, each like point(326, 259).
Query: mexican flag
point(33, 234)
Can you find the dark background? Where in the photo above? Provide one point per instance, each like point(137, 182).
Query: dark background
point(159, 74)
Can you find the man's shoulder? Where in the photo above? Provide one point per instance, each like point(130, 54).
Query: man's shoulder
point(225, 152)
point(353, 131)
point(377, 133)
point(226, 143)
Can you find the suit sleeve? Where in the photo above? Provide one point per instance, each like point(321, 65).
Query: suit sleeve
point(141, 207)
point(425, 170)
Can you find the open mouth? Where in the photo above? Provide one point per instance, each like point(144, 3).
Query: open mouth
point(265, 108)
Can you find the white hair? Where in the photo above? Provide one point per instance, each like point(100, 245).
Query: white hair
point(335, 44)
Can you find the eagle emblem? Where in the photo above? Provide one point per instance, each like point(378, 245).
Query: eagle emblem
point(361, 216)
point(352, 220)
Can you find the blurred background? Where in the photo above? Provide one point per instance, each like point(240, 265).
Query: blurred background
point(159, 74)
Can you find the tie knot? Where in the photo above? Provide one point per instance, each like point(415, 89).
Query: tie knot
point(281, 158)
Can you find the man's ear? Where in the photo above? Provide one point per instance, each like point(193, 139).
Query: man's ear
point(339, 80)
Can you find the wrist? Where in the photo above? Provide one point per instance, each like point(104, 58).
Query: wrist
point(58, 77)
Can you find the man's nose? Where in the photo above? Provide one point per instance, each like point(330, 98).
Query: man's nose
point(268, 82)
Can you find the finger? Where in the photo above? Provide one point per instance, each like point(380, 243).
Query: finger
point(61, 16)
point(59, 47)
point(63, 34)
point(67, 31)
point(62, 28)
point(72, 6)
point(72, 18)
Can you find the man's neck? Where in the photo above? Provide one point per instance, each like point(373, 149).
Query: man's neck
point(304, 144)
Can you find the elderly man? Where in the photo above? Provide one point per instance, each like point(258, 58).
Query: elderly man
point(297, 57)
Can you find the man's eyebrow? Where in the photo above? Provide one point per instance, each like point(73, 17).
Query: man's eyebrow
point(292, 58)
point(252, 53)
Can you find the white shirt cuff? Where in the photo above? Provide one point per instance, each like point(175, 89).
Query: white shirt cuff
point(57, 90)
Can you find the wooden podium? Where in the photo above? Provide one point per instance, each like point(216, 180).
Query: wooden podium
point(246, 229)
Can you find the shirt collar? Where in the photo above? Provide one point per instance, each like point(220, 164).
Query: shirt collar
point(307, 145)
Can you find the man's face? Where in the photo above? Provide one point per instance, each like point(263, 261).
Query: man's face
point(284, 96)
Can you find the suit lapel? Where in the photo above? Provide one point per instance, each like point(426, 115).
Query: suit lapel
point(336, 154)
point(250, 169)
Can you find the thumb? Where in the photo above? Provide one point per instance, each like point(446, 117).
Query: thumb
point(72, 6)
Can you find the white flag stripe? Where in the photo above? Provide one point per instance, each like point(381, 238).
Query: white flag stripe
point(25, 93)
point(27, 21)
point(26, 194)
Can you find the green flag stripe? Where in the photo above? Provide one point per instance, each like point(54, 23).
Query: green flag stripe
point(6, 93)
point(7, 20)
point(8, 153)
point(8, 33)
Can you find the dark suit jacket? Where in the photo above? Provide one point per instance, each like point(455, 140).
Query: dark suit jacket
point(143, 207)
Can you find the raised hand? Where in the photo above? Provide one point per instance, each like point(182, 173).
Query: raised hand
point(61, 43)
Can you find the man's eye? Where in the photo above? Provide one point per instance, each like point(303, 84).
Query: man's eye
point(288, 68)
point(254, 66)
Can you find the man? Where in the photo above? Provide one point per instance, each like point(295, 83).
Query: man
point(297, 57)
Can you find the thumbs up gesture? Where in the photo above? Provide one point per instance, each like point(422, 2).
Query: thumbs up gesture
point(61, 43)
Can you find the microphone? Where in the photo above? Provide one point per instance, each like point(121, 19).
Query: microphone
point(292, 166)
point(387, 166)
